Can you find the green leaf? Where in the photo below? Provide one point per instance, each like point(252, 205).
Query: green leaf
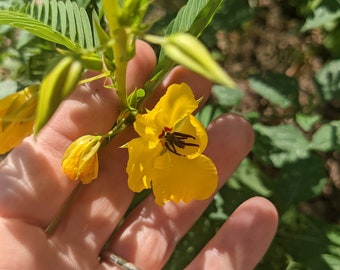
point(46, 8)
point(83, 3)
point(24, 38)
point(328, 80)
point(208, 113)
point(71, 20)
point(97, 30)
point(327, 137)
point(300, 180)
point(61, 22)
point(325, 15)
point(307, 122)
point(192, 18)
point(134, 98)
point(63, 17)
point(250, 177)
point(79, 27)
point(308, 241)
point(331, 41)
point(278, 89)
point(281, 144)
point(233, 15)
point(54, 14)
point(133, 12)
point(85, 22)
point(225, 96)
point(25, 22)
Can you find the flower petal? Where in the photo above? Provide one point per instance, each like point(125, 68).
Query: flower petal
point(16, 117)
point(177, 103)
point(178, 178)
point(146, 127)
point(140, 164)
point(89, 170)
point(14, 133)
point(80, 160)
point(190, 125)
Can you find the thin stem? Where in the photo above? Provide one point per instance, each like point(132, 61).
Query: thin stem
point(120, 60)
point(125, 118)
point(97, 77)
point(66, 205)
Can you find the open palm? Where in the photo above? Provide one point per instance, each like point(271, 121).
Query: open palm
point(33, 188)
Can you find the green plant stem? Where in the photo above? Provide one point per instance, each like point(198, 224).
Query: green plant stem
point(125, 118)
point(50, 229)
point(120, 60)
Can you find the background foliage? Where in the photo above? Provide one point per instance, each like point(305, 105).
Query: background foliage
point(284, 57)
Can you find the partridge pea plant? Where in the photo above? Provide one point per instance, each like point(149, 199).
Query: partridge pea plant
point(171, 140)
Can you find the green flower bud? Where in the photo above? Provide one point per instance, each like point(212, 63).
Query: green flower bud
point(188, 51)
point(55, 87)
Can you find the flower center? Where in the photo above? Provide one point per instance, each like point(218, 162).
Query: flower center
point(173, 140)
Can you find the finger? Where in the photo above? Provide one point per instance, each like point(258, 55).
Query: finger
point(33, 186)
point(243, 239)
point(100, 206)
point(151, 229)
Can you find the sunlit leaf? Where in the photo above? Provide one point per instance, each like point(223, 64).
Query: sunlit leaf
point(278, 145)
point(325, 15)
point(87, 28)
point(312, 243)
point(249, 176)
point(192, 18)
point(54, 14)
point(327, 137)
point(225, 96)
point(61, 22)
point(306, 122)
point(63, 17)
point(328, 79)
point(208, 113)
point(300, 180)
point(276, 88)
point(79, 27)
point(71, 20)
point(25, 22)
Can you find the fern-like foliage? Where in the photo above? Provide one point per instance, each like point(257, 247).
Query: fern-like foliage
point(61, 22)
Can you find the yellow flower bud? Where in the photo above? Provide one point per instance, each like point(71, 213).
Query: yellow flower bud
point(80, 160)
point(17, 117)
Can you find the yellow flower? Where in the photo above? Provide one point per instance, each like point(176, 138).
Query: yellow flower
point(80, 160)
point(168, 154)
point(17, 117)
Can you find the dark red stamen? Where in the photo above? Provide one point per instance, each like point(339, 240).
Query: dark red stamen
point(175, 139)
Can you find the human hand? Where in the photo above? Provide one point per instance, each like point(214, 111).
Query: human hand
point(33, 188)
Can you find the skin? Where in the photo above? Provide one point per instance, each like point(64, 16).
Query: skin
point(33, 188)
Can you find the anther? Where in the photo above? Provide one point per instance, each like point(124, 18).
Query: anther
point(176, 139)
